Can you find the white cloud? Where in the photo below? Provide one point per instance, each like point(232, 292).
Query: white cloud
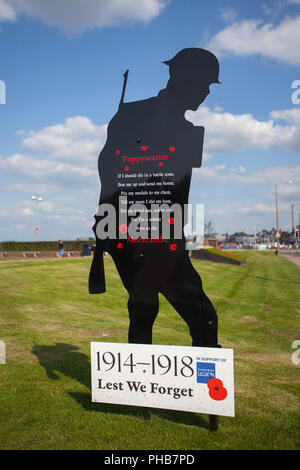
point(25, 211)
point(76, 16)
point(7, 13)
point(291, 140)
point(255, 208)
point(226, 133)
point(248, 37)
point(280, 174)
point(58, 157)
point(78, 141)
point(240, 169)
point(27, 208)
point(3, 212)
point(228, 14)
point(275, 8)
point(244, 209)
point(65, 155)
point(46, 206)
point(61, 162)
point(48, 172)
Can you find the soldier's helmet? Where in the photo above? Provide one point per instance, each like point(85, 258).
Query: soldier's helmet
point(196, 61)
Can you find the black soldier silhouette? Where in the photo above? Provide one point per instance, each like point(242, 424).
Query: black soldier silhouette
point(148, 159)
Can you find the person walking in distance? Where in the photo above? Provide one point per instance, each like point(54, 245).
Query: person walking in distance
point(61, 248)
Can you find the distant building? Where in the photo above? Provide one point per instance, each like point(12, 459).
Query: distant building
point(210, 241)
point(241, 238)
point(218, 236)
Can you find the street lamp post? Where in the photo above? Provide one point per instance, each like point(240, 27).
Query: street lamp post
point(277, 217)
point(37, 199)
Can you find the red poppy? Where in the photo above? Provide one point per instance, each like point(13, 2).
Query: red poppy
point(216, 389)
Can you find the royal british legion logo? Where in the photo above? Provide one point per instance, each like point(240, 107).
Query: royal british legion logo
point(205, 372)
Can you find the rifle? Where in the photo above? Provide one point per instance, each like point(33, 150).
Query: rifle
point(124, 87)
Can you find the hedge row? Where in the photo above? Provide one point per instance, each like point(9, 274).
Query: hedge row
point(217, 256)
point(72, 245)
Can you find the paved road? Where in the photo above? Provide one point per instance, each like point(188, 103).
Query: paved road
point(295, 259)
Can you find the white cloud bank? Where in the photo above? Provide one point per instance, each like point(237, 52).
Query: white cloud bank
point(76, 16)
point(248, 37)
point(76, 141)
point(280, 174)
point(65, 155)
point(61, 162)
point(61, 156)
point(226, 133)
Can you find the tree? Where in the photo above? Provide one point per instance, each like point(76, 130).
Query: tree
point(209, 228)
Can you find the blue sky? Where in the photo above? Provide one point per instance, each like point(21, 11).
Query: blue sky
point(63, 63)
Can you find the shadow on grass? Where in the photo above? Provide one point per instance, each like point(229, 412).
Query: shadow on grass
point(66, 359)
point(179, 417)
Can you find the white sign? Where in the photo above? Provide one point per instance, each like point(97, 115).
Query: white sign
point(181, 378)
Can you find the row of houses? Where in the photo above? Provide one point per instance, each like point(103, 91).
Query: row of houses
point(263, 237)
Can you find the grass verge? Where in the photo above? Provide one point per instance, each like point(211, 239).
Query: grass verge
point(48, 319)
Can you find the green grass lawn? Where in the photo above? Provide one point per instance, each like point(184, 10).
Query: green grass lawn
point(48, 320)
